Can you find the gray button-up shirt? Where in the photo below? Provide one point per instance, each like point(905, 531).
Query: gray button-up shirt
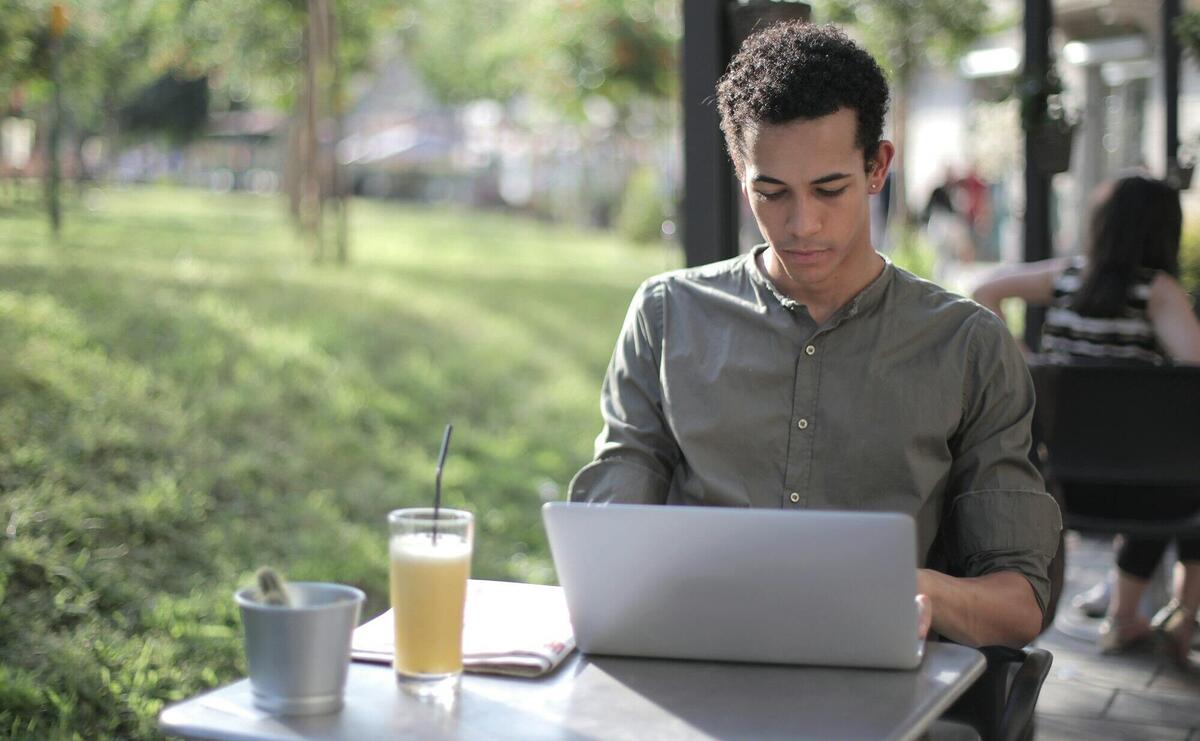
point(722, 391)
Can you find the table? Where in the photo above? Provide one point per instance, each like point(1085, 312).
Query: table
point(605, 697)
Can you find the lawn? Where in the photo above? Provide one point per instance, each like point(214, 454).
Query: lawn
point(183, 397)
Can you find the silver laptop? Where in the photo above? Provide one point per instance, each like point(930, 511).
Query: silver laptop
point(716, 583)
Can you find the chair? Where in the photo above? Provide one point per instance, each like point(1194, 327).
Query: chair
point(1000, 705)
point(1106, 433)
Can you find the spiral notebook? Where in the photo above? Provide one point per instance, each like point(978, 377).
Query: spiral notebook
point(509, 628)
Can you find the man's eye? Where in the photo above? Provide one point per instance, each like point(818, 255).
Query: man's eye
point(768, 196)
point(826, 193)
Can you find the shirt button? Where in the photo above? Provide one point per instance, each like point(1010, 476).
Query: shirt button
point(795, 497)
point(809, 350)
point(802, 424)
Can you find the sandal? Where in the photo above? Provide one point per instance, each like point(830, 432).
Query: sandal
point(1094, 602)
point(1174, 628)
point(1118, 637)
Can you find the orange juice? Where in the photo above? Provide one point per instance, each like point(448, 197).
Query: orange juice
point(429, 590)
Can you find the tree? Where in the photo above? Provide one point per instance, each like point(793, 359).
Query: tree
point(609, 68)
point(466, 50)
point(121, 57)
point(292, 54)
point(623, 51)
point(78, 70)
point(562, 53)
point(902, 34)
point(19, 40)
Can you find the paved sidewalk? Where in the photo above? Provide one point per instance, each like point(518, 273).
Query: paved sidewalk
point(1138, 695)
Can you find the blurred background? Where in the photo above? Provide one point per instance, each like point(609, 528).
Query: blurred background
point(254, 256)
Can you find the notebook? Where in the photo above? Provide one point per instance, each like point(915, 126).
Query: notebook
point(792, 587)
point(508, 628)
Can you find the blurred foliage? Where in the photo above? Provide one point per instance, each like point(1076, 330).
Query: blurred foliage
point(911, 251)
point(116, 50)
point(254, 49)
point(901, 34)
point(465, 50)
point(1187, 30)
point(178, 107)
point(21, 32)
point(621, 50)
point(561, 53)
point(645, 205)
point(184, 399)
point(108, 53)
point(1189, 260)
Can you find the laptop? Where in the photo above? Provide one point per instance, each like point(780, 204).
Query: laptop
point(825, 588)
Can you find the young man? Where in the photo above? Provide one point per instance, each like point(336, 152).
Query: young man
point(813, 373)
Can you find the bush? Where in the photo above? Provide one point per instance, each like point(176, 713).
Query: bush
point(1189, 260)
point(912, 252)
point(644, 207)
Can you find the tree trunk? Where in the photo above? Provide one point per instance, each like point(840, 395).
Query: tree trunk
point(52, 174)
point(320, 180)
point(338, 188)
point(112, 136)
point(310, 183)
point(292, 165)
point(898, 213)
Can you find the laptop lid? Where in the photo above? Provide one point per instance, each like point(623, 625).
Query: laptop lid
point(775, 586)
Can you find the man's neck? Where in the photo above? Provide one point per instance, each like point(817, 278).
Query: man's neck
point(824, 299)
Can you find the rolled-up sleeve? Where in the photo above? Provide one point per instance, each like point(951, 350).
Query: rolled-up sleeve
point(636, 452)
point(1001, 518)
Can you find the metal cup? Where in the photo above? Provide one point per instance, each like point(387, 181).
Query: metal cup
point(299, 655)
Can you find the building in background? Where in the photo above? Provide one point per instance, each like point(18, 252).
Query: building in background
point(1110, 55)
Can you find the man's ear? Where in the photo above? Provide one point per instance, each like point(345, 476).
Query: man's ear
point(878, 166)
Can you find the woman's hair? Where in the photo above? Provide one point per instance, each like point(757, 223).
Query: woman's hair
point(1135, 225)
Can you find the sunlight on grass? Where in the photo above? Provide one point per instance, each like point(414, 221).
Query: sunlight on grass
point(186, 397)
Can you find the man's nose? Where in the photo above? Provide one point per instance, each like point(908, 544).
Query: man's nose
point(805, 218)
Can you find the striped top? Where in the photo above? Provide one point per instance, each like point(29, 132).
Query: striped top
point(1068, 337)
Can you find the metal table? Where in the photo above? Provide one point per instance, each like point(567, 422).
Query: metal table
point(602, 697)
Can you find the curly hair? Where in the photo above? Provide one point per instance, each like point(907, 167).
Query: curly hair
point(797, 70)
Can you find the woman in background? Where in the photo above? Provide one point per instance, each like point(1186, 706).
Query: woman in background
point(1123, 304)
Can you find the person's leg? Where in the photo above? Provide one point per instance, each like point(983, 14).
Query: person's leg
point(1177, 621)
point(1136, 561)
point(1094, 601)
point(1124, 623)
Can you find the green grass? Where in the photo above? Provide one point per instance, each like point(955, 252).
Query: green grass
point(183, 397)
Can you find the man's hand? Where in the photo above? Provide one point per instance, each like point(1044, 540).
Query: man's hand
point(924, 615)
point(994, 609)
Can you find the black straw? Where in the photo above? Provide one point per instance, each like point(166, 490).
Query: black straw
point(437, 487)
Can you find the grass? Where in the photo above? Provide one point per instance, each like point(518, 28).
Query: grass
point(184, 398)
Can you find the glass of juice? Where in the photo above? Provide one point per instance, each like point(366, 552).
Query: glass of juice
point(430, 559)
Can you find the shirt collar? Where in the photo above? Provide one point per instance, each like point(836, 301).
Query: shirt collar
point(862, 302)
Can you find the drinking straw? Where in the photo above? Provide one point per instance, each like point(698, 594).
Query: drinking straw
point(437, 486)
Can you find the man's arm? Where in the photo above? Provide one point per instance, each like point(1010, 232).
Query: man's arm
point(995, 609)
point(1001, 527)
point(636, 452)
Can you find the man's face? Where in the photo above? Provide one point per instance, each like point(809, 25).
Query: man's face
point(808, 187)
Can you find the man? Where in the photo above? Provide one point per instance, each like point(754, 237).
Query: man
point(813, 373)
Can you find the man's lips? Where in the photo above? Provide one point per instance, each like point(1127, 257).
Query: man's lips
point(804, 255)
